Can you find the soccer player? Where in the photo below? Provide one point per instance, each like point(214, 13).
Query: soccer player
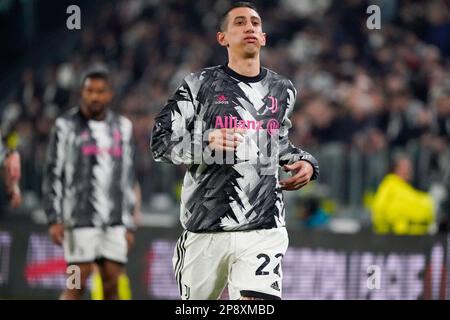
point(232, 211)
point(10, 164)
point(88, 185)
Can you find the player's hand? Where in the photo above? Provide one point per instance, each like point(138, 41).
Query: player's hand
point(130, 239)
point(302, 172)
point(225, 139)
point(56, 232)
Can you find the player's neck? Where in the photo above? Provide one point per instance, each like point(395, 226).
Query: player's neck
point(88, 115)
point(250, 67)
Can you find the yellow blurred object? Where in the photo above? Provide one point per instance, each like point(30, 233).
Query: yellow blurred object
point(13, 140)
point(178, 189)
point(328, 205)
point(123, 287)
point(368, 199)
point(400, 209)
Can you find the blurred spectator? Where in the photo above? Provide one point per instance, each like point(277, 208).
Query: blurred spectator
point(311, 214)
point(398, 208)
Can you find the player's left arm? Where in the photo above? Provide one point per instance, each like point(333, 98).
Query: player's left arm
point(10, 164)
point(303, 166)
point(128, 179)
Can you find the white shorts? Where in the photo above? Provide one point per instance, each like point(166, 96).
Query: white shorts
point(248, 261)
point(83, 245)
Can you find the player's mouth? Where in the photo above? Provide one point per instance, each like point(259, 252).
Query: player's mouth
point(250, 39)
point(96, 105)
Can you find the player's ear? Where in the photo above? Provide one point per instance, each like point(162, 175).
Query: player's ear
point(221, 39)
point(264, 39)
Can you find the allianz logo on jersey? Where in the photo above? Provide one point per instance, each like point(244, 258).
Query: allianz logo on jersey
point(90, 148)
point(230, 122)
point(94, 150)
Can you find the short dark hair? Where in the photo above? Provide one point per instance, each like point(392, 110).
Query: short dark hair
point(240, 4)
point(97, 72)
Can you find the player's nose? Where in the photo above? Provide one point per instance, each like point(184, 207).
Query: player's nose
point(94, 96)
point(249, 27)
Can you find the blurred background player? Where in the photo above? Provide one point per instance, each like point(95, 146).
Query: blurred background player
point(233, 214)
point(88, 185)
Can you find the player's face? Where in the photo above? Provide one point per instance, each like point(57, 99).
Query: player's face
point(96, 95)
point(243, 33)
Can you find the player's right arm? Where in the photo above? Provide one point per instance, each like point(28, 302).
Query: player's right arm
point(178, 139)
point(53, 178)
point(172, 137)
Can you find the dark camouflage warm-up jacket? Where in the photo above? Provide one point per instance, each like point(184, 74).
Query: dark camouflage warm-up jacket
point(89, 172)
point(243, 194)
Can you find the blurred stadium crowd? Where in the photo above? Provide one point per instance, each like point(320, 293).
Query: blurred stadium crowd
point(363, 94)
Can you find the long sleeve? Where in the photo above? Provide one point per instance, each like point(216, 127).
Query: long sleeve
point(173, 134)
point(288, 152)
point(53, 171)
point(128, 180)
